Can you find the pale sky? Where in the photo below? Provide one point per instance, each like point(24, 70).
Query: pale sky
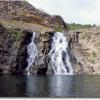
point(78, 11)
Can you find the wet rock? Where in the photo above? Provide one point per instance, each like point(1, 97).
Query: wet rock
point(22, 55)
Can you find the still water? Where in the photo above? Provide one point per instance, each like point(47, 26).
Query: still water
point(49, 86)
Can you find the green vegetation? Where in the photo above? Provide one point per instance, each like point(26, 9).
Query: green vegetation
point(23, 25)
point(58, 29)
point(92, 57)
point(74, 26)
point(15, 34)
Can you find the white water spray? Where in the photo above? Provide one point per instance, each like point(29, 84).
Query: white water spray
point(60, 62)
point(32, 53)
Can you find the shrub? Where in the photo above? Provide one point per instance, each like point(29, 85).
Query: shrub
point(58, 29)
point(92, 57)
point(15, 34)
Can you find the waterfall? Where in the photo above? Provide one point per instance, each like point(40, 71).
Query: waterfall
point(59, 55)
point(32, 53)
point(60, 62)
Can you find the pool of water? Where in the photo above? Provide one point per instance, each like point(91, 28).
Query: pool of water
point(49, 86)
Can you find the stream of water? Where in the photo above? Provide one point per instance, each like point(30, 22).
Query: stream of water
point(60, 61)
point(32, 53)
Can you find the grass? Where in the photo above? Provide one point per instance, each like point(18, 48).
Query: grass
point(23, 25)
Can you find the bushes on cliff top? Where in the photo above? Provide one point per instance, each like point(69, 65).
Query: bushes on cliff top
point(74, 26)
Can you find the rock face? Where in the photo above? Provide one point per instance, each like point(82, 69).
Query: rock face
point(85, 46)
point(43, 43)
point(23, 11)
point(8, 48)
point(18, 20)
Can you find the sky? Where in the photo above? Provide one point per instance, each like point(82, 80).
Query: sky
point(78, 11)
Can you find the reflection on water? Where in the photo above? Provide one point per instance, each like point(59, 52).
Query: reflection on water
point(50, 86)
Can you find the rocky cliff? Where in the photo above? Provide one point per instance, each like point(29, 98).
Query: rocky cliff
point(85, 46)
point(18, 20)
point(23, 11)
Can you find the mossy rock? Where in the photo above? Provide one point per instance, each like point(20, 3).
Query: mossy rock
point(16, 34)
point(93, 57)
point(58, 28)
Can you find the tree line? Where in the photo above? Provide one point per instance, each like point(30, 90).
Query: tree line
point(74, 26)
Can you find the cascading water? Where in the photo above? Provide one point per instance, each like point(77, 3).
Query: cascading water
point(59, 55)
point(32, 53)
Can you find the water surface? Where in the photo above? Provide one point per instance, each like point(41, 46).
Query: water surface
point(49, 86)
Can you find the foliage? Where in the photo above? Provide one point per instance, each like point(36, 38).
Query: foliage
point(74, 26)
point(58, 28)
point(93, 57)
point(15, 34)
